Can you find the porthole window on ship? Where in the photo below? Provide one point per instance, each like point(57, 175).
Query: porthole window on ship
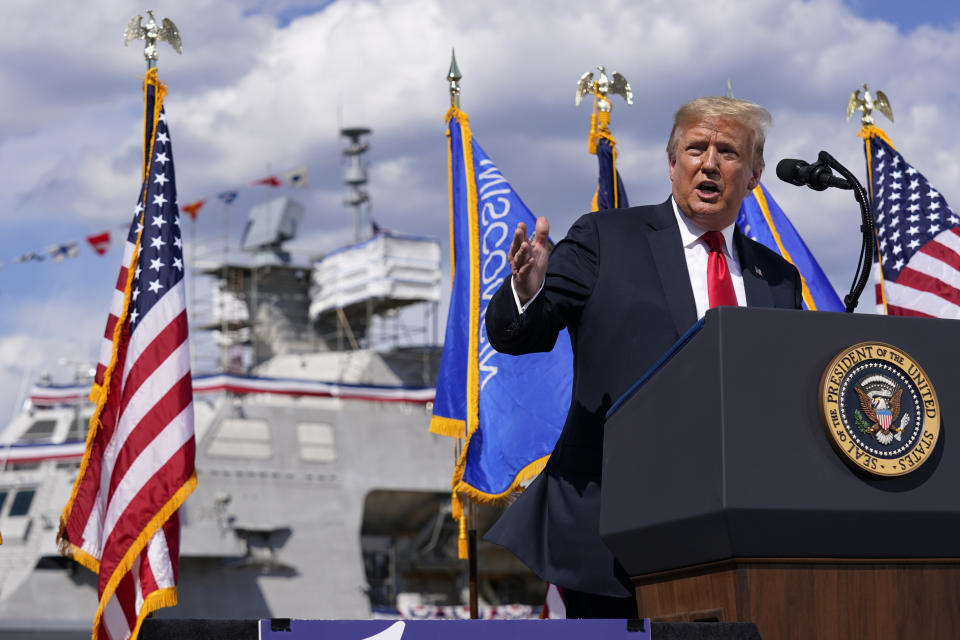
point(20, 505)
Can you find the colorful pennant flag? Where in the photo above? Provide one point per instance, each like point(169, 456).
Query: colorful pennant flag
point(269, 181)
point(65, 250)
point(297, 178)
point(510, 421)
point(29, 257)
point(121, 520)
point(193, 208)
point(100, 242)
point(762, 219)
point(918, 235)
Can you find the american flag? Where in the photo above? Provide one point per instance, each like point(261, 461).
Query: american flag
point(918, 237)
point(121, 521)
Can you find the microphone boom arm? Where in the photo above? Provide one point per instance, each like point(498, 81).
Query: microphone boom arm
point(867, 227)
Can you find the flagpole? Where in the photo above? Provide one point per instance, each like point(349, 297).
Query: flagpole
point(472, 558)
point(469, 516)
point(868, 129)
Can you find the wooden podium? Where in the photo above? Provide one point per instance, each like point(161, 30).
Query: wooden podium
point(724, 499)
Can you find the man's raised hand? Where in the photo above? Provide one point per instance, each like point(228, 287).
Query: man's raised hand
point(528, 259)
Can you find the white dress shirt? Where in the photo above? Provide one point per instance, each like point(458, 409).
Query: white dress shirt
point(696, 252)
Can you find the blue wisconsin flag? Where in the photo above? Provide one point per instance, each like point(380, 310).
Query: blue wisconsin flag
point(509, 409)
point(762, 219)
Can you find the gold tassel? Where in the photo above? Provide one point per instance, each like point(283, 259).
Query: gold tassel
point(603, 126)
point(456, 505)
point(462, 550)
point(868, 131)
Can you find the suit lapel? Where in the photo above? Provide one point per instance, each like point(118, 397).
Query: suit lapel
point(665, 246)
point(757, 289)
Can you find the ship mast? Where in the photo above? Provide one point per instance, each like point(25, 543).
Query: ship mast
point(355, 176)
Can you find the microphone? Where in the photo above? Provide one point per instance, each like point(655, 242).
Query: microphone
point(817, 176)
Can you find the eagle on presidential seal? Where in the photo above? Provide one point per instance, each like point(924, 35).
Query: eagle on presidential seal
point(880, 405)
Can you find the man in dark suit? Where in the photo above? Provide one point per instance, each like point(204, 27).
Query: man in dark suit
point(627, 283)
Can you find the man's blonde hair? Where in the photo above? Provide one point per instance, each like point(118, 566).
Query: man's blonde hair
point(754, 117)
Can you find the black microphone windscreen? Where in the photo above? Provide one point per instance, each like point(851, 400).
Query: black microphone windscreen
point(788, 170)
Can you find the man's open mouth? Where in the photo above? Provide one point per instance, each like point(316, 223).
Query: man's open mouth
point(708, 189)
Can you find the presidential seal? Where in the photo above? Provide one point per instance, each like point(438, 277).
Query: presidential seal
point(879, 409)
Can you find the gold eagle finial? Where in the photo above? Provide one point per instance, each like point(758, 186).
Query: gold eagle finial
point(602, 87)
point(151, 33)
point(867, 104)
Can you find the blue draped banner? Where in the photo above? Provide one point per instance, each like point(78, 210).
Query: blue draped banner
point(509, 409)
point(762, 219)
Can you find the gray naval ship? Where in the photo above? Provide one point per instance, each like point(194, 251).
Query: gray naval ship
point(321, 493)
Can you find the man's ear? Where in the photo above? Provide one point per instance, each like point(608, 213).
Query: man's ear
point(754, 180)
point(672, 164)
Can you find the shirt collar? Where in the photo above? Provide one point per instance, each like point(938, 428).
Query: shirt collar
point(690, 233)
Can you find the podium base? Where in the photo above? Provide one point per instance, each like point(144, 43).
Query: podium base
point(812, 598)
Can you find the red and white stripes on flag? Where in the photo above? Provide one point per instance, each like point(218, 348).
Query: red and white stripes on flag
point(929, 284)
point(121, 520)
point(117, 303)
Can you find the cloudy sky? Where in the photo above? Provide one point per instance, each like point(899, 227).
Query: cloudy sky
point(262, 87)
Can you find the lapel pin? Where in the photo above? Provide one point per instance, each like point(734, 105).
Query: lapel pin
point(757, 269)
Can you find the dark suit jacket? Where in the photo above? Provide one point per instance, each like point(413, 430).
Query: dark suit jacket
point(619, 283)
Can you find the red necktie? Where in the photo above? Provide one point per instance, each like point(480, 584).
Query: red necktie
point(719, 282)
